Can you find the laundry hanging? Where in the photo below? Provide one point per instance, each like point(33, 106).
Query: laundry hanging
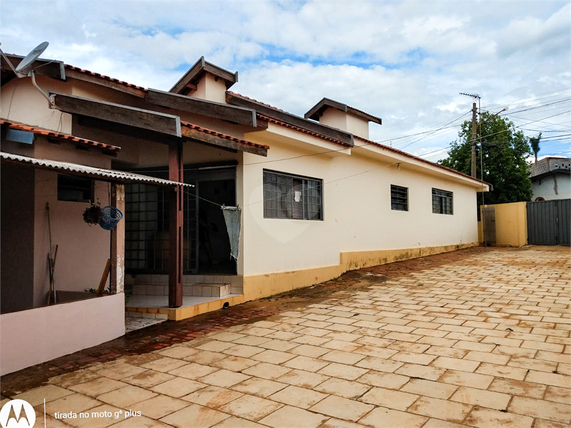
point(233, 219)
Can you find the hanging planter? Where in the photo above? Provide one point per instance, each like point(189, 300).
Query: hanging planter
point(93, 214)
point(110, 217)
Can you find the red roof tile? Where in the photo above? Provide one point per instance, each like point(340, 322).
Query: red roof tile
point(102, 76)
point(400, 152)
point(305, 131)
point(256, 101)
point(221, 135)
point(58, 135)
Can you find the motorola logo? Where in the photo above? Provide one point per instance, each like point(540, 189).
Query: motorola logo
point(17, 414)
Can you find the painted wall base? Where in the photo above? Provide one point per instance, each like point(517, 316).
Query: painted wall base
point(259, 286)
point(42, 334)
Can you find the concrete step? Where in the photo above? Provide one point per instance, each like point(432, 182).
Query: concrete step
point(207, 290)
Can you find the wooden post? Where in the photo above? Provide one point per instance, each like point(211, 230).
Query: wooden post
point(117, 282)
point(175, 226)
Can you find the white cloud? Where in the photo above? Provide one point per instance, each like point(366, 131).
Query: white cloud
point(403, 60)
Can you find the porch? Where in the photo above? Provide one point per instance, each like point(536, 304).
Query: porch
point(147, 295)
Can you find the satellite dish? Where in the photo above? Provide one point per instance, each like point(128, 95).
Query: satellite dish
point(25, 65)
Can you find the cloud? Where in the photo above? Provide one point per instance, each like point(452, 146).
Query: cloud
point(403, 60)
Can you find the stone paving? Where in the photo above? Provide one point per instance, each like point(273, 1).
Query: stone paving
point(483, 341)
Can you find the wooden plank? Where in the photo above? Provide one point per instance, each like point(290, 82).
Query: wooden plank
point(136, 117)
point(74, 74)
point(234, 114)
point(104, 278)
point(196, 135)
point(336, 134)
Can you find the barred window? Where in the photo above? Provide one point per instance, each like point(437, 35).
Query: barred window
point(442, 202)
point(399, 198)
point(292, 197)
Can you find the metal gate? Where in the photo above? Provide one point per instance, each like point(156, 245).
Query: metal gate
point(489, 225)
point(548, 222)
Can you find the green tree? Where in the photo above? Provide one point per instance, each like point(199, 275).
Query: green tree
point(501, 152)
point(534, 141)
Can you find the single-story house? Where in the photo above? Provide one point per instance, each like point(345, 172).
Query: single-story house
point(315, 197)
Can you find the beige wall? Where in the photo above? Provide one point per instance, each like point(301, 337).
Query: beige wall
point(211, 88)
point(511, 224)
point(82, 249)
point(22, 102)
point(42, 334)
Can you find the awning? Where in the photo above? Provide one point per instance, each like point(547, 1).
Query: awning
point(89, 171)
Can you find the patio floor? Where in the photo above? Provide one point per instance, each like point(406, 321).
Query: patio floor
point(477, 338)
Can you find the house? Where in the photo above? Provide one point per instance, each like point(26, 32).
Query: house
point(316, 198)
point(551, 179)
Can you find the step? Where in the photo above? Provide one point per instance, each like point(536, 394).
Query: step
point(207, 290)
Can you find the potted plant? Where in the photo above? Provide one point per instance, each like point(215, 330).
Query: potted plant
point(92, 214)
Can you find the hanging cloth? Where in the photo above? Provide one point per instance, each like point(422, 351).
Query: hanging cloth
point(232, 217)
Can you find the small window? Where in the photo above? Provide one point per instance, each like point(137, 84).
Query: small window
point(75, 189)
point(292, 197)
point(442, 202)
point(399, 198)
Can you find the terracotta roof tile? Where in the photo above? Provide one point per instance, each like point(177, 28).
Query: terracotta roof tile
point(305, 131)
point(256, 101)
point(400, 152)
point(58, 135)
point(221, 135)
point(102, 76)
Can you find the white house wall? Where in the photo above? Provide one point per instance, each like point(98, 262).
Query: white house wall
point(550, 187)
point(357, 213)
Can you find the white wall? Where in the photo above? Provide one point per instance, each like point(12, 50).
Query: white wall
point(357, 211)
point(556, 186)
point(42, 334)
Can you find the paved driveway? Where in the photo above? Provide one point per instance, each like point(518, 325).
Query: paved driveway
point(482, 341)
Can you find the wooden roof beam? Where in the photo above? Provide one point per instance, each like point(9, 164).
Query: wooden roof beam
point(130, 116)
point(229, 113)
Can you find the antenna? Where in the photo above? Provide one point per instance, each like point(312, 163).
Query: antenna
point(470, 95)
point(24, 69)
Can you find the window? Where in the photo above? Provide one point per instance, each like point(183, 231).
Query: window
point(293, 197)
point(442, 202)
point(75, 189)
point(399, 198)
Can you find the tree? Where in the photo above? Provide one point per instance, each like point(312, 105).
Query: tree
point(534, 141)
point(502, 153)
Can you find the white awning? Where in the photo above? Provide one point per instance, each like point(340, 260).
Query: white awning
point(90, 171)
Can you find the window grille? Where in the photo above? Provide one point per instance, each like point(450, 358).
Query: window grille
point(292, 197)
point(399, 198)
point(442, 202)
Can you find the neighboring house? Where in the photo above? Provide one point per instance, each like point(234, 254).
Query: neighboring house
point(317, 198)
point(551, 179)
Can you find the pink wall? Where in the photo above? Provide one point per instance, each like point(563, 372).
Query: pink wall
point(42, 334)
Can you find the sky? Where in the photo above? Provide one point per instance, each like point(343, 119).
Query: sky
point(404, 61)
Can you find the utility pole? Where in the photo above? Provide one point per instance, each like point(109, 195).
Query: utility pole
point(474, 132)
point(474, 129)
